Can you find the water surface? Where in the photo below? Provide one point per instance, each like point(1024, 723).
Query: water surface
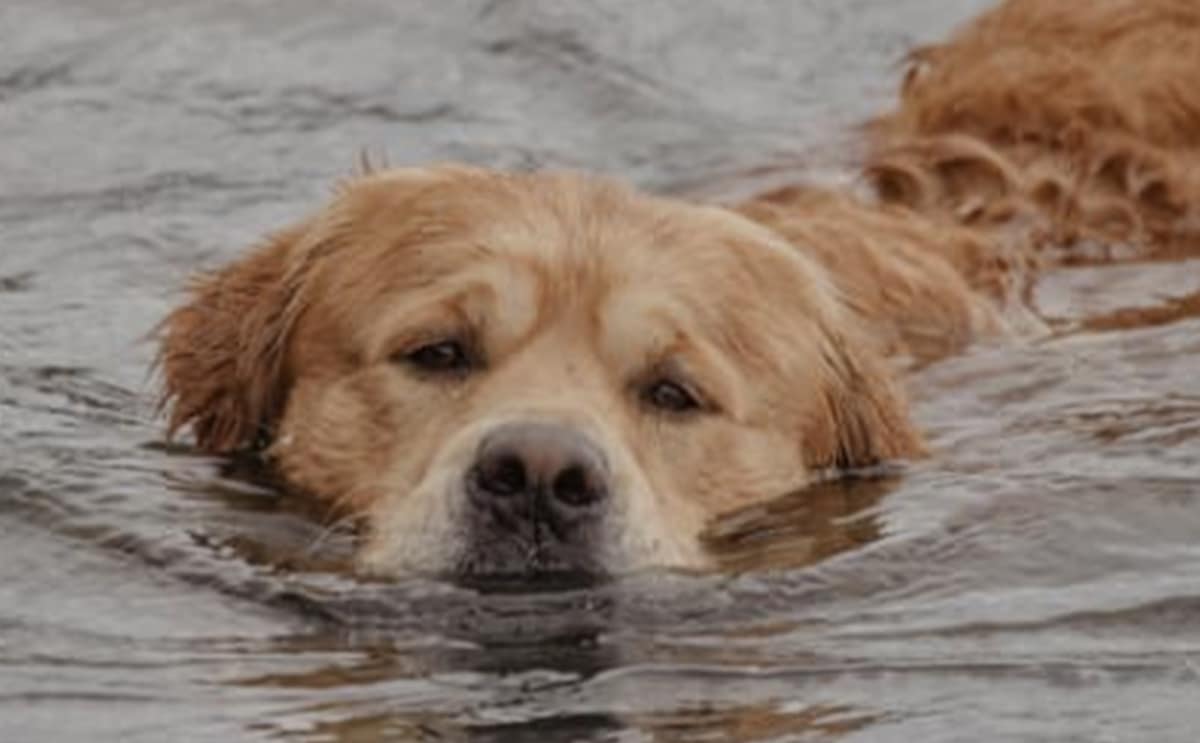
point(1037, 580)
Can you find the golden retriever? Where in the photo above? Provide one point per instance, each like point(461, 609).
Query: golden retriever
point(537, 373)
point(531, 372)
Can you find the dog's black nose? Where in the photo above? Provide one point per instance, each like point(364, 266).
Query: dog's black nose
point(532, 470)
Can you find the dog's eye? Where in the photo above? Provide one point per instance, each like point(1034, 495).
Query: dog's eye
point(671, 396)
point(440, 357)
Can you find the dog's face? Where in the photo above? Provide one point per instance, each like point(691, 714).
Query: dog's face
point(514, 374)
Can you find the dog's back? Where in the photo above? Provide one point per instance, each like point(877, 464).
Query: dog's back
point(1077, 122)
point(1042, 133)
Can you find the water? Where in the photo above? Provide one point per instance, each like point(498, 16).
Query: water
point(1037, 580)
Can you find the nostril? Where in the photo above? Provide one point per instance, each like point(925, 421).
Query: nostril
point(504, 476)
point(573, 487)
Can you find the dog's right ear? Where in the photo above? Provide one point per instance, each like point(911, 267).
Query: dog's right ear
point(222, 353)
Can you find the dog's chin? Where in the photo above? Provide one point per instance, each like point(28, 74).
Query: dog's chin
point(507, 562)
point(517, 569)
point(529, 579)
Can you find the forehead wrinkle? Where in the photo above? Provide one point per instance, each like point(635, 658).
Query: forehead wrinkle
point(406, 317)
point(505, 300)
point(659, 333)
point(475, 300)
point(756, 319)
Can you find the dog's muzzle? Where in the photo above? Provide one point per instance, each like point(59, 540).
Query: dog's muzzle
point(536, 495)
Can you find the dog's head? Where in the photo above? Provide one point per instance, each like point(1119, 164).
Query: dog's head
point(525, 373)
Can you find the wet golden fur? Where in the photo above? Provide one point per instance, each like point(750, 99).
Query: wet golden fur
point(1040, 124)
point(575, 290)
point(1071, 122)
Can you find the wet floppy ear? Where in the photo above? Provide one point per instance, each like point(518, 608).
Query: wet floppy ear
point(222, 353)
point(867, 419)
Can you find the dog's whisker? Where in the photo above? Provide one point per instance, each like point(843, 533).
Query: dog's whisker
point(329, 532)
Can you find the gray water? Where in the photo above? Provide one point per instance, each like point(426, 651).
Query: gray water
point(1037, 580)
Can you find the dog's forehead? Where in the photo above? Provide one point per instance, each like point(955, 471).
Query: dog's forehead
point(573, 240)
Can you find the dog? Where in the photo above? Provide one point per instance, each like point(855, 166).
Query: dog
point(526, 374)
point(540, 372)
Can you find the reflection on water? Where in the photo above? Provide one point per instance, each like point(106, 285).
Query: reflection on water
point(1034, 580)
point(801, 529)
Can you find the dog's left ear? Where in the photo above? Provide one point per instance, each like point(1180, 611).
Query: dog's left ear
point(866, 419)
point(222, 353)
